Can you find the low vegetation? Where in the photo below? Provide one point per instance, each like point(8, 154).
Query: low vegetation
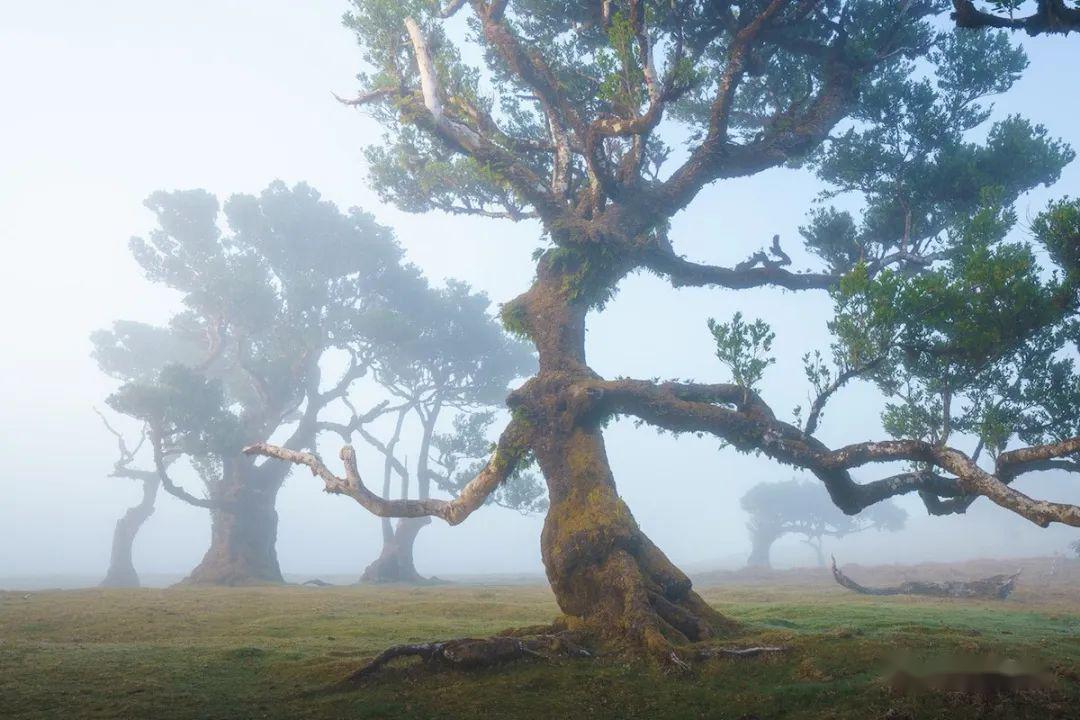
point(276, 652)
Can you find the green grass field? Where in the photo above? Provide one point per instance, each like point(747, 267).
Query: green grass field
point(277, 653)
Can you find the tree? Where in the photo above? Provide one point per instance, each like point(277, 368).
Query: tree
point(121, 572)
point(804, 508)
point(1037, 18)
point(1076, 548)
point(450, 359)
point(291, 280)
point(565, 123)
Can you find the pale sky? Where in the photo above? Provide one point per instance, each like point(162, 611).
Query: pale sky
point(105, 102)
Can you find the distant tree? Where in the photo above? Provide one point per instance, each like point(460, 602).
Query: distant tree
point(561, 112)
point(121, 572)
point(450, 360)
point(804, 508)
point(1035, 17)
point(291, 280)
point(1076, 548)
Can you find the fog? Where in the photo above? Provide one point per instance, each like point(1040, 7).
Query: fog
point(107, 102)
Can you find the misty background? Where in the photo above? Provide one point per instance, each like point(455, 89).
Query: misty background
point(107, 102)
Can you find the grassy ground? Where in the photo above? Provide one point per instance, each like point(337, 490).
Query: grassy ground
point(275, 652)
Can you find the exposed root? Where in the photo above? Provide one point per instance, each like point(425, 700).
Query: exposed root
point(996, 587)
point(741, 653)
point(472, 653)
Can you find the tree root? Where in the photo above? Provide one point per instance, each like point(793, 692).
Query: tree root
point(996, 587)
point(473, 653)
point(741, 653)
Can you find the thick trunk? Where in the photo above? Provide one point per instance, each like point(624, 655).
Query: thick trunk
point(761, 542)
point(121, 571)
point(610, 580)
point(243, 531)
point(395, 562)
point(613, 584)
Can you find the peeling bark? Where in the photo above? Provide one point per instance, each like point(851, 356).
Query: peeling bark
point(996, 587)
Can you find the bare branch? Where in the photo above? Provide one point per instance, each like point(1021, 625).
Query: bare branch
point(161, 464)
point(508, 453)
point(122, 466)
point(818, 406)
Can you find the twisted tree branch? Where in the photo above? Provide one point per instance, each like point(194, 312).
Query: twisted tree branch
point(508, 453)
point(751, 427)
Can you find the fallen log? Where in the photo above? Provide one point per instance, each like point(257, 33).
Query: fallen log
point(996, 587)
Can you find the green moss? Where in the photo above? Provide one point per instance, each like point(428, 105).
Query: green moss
point(515, 319)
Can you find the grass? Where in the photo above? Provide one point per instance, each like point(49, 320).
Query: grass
point(275, 652)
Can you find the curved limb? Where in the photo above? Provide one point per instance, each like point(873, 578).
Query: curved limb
point(508, 453)
point(751, 426)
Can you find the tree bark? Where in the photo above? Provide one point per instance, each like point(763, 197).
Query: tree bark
point(243, 530)
point(121, 572)
point(615, 587)
point(611, 581)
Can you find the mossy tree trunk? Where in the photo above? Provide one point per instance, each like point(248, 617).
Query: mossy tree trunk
point(243, 532)
point(613, 584)
point(121, 572)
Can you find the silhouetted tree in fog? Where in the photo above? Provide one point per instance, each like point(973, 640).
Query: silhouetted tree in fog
point(289, 281)
point(564, 124)
point(121, 572)
point(804, 508)
point(450, 361)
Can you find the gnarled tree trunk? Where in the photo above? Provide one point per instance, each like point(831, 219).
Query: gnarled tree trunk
point(121, 572)
point(613, 584)
point(243, 531)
